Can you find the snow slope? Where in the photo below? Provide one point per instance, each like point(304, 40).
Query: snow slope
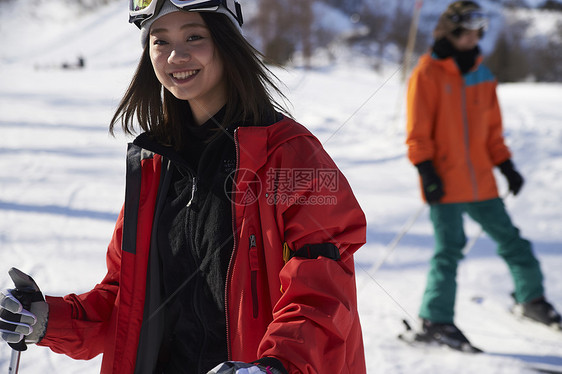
point(61, 187)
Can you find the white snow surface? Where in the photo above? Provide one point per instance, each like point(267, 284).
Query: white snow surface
point(62, 186)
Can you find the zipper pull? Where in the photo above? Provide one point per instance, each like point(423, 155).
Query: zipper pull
point(193, 189)
point(254, 267)
point(253, 253)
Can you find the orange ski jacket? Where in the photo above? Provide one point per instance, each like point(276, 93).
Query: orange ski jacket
point(454, 120)
point(302, 311)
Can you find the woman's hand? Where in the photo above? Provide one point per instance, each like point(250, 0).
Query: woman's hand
point(23, 312)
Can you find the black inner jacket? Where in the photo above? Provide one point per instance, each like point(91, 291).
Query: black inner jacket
point(184, 323)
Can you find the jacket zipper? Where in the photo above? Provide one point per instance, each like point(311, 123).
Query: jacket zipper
point(234, 248)
point(467, 143)
point(254, 266)
point(197, 280)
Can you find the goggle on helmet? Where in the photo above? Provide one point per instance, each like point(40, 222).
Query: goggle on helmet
point(141, 10)
point(470, 20)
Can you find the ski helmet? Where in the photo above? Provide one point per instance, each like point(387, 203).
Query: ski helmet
point(461, 15)
point(145, 15)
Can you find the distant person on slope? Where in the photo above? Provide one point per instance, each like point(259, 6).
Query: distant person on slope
point(454, 138)
point(234, 250)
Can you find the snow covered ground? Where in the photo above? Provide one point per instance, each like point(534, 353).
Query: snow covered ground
point(61, 187)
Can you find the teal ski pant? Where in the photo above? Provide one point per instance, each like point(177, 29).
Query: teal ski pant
point(438, 301)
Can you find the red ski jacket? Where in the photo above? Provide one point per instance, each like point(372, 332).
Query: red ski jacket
point(287, 194)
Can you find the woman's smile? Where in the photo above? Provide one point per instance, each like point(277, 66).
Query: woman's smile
point(184, 75)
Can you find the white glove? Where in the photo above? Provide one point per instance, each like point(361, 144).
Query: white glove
point(19, 324)
point(237, 367)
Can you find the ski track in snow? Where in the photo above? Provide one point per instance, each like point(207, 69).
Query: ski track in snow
point(61, 188)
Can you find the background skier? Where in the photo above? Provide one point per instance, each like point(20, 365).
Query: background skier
point(454, 138)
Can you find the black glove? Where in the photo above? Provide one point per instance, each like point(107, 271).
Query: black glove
point(514, 179)
point(23, 312)
point(237, 367)
point(431, 183)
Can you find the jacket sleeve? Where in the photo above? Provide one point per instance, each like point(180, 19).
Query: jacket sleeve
point(421, 113)
point(497, 149)
point(78, 324)
point(315, 327)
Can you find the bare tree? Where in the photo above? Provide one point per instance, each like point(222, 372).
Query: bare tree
point(305, 19)
point(547, 67)
point(509, 61)
point(285, 26)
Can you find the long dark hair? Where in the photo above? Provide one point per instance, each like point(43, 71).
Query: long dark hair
point(249, 90)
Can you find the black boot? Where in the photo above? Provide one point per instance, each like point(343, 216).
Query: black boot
point(539, 310)
point(445, 334)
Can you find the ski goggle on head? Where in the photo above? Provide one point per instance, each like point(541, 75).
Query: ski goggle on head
point(471, 20)
point(140, 10)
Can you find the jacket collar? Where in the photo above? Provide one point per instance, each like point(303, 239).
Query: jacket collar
point(256, 144)
point(449, 63)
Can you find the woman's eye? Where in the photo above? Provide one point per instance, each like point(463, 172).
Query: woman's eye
point(194, 38)
point(159, 42)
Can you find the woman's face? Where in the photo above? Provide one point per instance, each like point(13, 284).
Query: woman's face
point(187, 63)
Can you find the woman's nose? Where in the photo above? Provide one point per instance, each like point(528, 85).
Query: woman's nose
point(179, 55)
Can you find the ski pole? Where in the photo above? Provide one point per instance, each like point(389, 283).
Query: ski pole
point(14, 362)
point(20, 346)
point(17, 348)
point(392, 245)
point(468, 247)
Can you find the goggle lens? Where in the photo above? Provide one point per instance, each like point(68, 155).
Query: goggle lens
point(138, 5)
point(474, 20)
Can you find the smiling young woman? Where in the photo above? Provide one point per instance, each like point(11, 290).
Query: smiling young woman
point(249, 85)
point(217, 264)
